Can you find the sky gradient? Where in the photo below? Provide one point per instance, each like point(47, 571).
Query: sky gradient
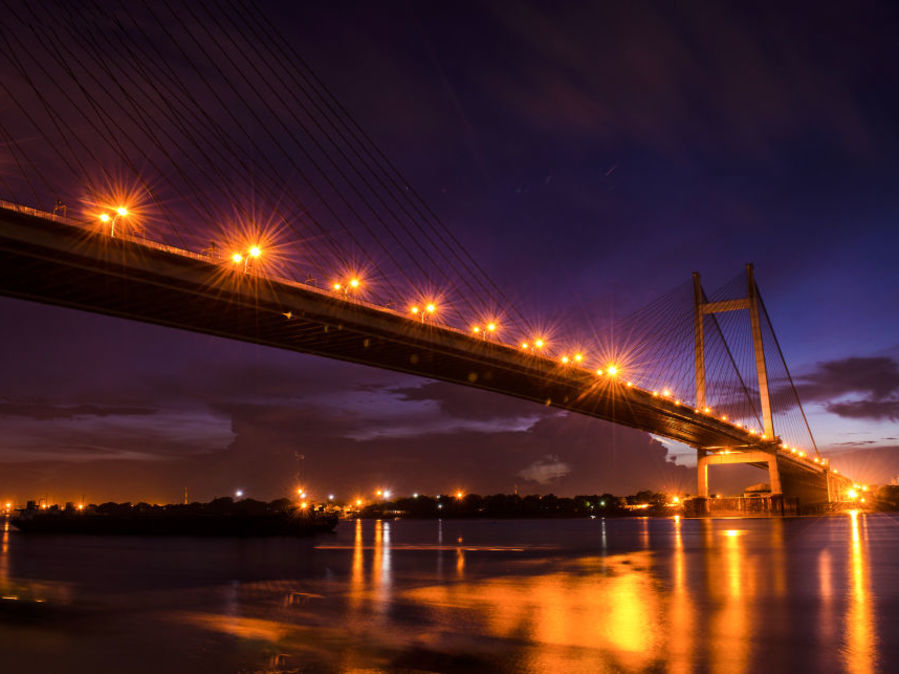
point(590, 158)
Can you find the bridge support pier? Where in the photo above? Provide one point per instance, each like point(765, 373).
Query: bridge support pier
point(705, 459)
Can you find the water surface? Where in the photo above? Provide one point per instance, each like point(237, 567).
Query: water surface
point(462, 595)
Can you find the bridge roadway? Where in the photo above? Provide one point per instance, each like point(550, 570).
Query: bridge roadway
point(54, 260)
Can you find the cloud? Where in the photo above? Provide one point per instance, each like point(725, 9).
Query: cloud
point(877, 377)
point(546, 470)
point(464, 403)
point(866, 409)
point(43, 411)
point(855, 387)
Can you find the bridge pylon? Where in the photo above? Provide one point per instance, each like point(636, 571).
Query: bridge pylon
point(703, 308)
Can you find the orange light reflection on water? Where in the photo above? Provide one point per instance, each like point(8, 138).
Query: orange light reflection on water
point(611, 604)
point(701, 601)
point(860, 638)
point(680, 651)
point(4, 556)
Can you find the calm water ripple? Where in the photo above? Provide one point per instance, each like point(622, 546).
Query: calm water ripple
point(523, 596)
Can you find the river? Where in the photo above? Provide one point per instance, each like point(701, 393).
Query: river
point(726, 595)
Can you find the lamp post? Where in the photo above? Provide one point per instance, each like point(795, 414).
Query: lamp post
point(253, 253)
point(120, 212)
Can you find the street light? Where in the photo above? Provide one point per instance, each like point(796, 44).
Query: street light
point(120, 212)
point(352, 284)
point(429, 309)
point(252, 253)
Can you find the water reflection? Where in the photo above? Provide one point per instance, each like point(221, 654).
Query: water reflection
point(859, 652)
point(460, 559)
point(4, 557)
point(635, 609)
point(681, 609)
point(634, 595)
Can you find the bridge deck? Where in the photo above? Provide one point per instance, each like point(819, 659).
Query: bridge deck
point(52, 260)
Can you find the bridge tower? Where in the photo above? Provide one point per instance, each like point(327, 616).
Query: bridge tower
point(702, 308)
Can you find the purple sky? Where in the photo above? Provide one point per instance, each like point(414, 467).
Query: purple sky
point(591, 157)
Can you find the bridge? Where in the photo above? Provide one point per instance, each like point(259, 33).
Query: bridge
point(57, 260)
point(172, 208)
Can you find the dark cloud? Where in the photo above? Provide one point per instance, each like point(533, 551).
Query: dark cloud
point(875, 379)
point(876, 376)
point(866, 409)
point(275, 446)
point(855, 443)
point(43, 411)
point(463, 403)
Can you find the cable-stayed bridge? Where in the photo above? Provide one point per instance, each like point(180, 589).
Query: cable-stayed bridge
point(204, 178)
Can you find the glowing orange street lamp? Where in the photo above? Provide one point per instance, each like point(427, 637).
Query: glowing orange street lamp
point(352, 284)
point(105, 218)
point(253, 253)
point(121, 212)
point(429, 309)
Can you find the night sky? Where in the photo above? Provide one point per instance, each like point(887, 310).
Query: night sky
point(591, 156)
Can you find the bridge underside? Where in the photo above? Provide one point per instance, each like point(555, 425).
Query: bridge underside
point(55, 263)
point(49, 260)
